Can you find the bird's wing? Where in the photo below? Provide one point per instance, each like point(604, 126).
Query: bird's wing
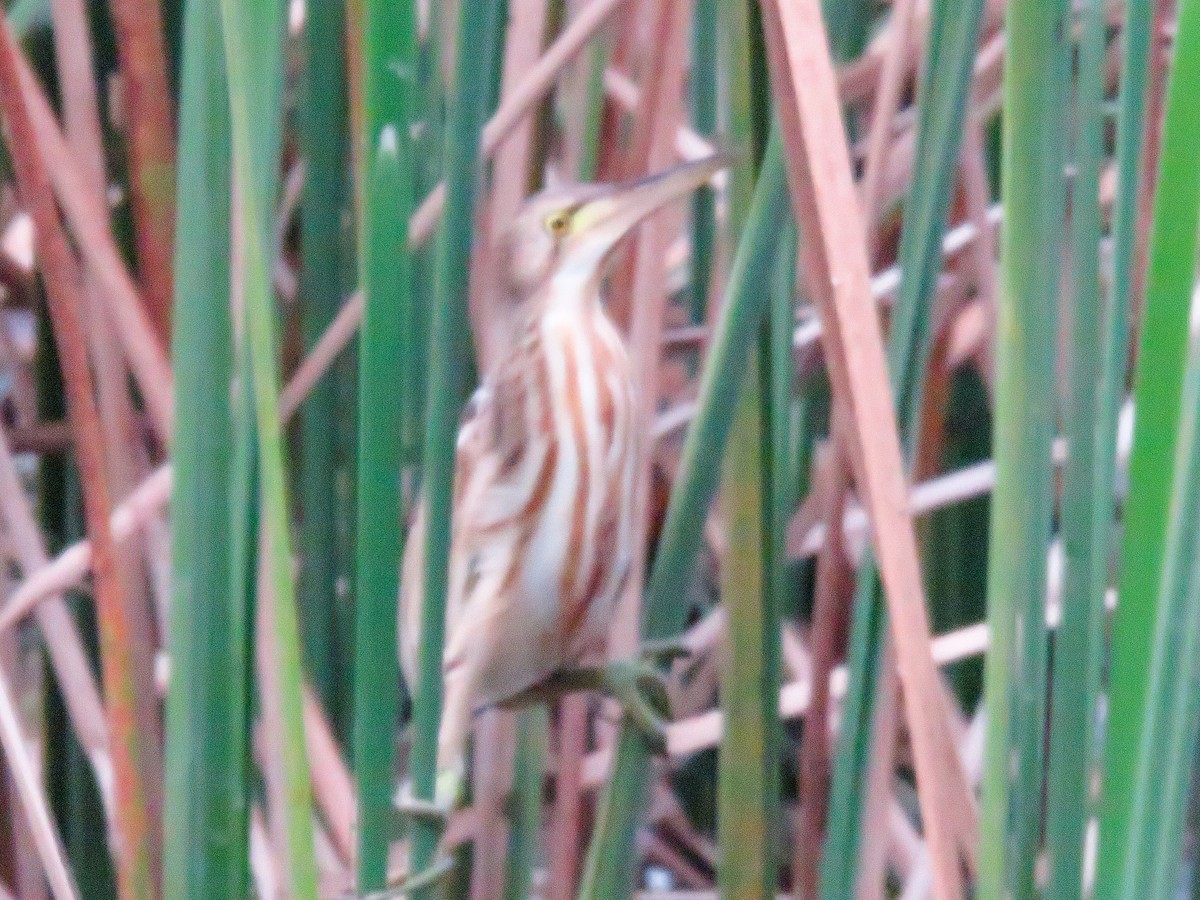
point(469, 450)
point(494, 472)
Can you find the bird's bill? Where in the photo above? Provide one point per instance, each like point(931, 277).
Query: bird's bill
point(606, 219)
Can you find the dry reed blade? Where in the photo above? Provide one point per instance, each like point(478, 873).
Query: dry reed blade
point(823, 193)
point(32, 798)
point(68, 656)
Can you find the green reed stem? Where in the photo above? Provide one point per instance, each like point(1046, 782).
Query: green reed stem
point(253, 31)
point(449, 357)
point(1022, 501)
point(206, 846)
point(612, 862)
point(385, 273)
point(324, 142)
point(1144, 628)
point(954, 31)
point(1079, 640)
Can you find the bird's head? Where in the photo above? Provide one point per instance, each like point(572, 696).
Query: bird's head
point(571, 231)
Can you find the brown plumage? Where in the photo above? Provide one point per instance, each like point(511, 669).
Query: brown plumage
point(543, 524)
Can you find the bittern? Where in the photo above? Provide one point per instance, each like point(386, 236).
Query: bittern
point(543, 520)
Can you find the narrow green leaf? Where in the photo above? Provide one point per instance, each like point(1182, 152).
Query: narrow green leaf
point(449, 357)
point(612, 863)
point(1079, 640)
point(253, 31)
point(385, 272)
point(954, 32)
point(1035, 81)
point(206, 846)
point(1144, 631)
point(1177, 705)
point(704, 118)
point(323, 236)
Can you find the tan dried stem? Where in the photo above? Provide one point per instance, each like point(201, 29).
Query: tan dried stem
point(823, 195)
point(333, 789)
point(644, 306)
point(81, 116)
point(897, 63)
point(33, 799)
point(68, 658)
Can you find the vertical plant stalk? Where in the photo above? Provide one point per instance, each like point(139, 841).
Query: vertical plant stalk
point(513, 158)
point(1177, 708)
point(611, 861)
point(748, 785)
point(324, 244)
point(646, 297)
point(389, 61)
point(532, 729)
point(151, 135)
point(869, 712)
point(705, 23)
point(1136, 36)
point(207, 832)
point(81, 114)
point(747, 775)
point(834, 586)
point(1079, 640)
point(1142, 629)
point(835, 258)
point(887, 101)
point(1025, 422)
point(126, 670)
point(747, 795)
point(448, 352)
point(499, 853)
point(866, 714)
point(253, 34)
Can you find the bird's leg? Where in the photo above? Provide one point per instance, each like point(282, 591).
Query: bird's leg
point(640, 689)
point(635, 684)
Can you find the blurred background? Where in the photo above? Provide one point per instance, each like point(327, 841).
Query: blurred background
point(245, 274)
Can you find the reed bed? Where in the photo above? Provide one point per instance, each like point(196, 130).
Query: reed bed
point(915, 508)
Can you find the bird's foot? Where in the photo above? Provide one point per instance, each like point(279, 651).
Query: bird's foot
point(641, 691)
point(635, 684)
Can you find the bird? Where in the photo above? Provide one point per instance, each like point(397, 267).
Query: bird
point(548, 450)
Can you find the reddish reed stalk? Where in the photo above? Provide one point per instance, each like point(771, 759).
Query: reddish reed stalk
point(126, 666)
point(150, 131)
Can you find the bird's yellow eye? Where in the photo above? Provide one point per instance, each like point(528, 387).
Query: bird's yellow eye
point(558, 223)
